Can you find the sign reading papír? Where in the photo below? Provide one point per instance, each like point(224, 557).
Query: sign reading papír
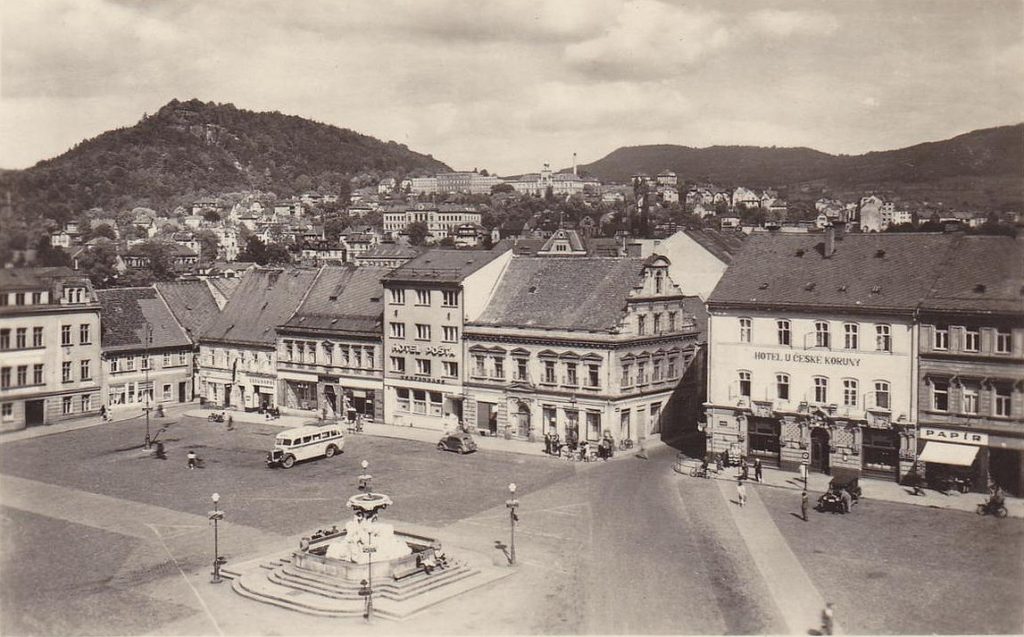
point(952, 435)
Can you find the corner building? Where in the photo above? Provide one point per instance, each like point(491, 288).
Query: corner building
point(813, 351)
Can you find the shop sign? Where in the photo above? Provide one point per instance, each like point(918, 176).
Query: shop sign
point(953, 435)
point(810, 359)
point(256, 381)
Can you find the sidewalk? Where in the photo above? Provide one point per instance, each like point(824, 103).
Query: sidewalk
point(873, 489)
point(119, 415)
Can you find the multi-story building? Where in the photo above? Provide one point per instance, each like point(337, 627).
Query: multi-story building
point(387, 255)
point(427, 301)
point(329, 353)
point(467, 182)
point(147, 355)
point(813, 350)
point(441, 220)
point(578, 346)
point(971, 378)
point(49, 347)
point(237, 349)
point(194, 303)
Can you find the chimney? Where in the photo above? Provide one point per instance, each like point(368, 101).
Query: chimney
point(830, 240)
point(574, 172)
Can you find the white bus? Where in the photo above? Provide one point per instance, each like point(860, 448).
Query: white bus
point(303, 443)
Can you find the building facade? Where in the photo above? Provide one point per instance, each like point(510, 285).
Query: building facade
point(441, 221)
point(49, 347)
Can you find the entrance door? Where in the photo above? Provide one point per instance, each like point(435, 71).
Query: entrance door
point(331, 398)
point(656, 418)
point(483, 416)
point(819, 450)
point(35, 412)
point(181, 392)
point(523, 421)
point(227, 395)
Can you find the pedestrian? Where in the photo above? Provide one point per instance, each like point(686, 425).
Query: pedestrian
point(159, 453)
point(103, 413)
point(827, 619)
point(741, 492)
point(803, 505)
point(847, 500)
point(757, 470)
point(744, 470)
point(547, 443)
point(231, 423)
point(803, 474)
point(192, 459)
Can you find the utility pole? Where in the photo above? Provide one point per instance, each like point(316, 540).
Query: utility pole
point(148, 389)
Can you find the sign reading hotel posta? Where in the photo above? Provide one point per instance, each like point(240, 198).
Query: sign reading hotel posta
point(810, 359)
point(953, 435)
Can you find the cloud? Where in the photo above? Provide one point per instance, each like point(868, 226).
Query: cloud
point(785, 23)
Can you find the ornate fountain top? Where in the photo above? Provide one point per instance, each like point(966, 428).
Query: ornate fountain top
point(369, 503)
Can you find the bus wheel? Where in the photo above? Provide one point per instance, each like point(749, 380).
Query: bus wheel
point(331, 450)
point(288, 462)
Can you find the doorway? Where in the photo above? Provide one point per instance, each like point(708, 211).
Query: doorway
point(181, 392)
point(485, 417)
point(820, 450)
point(35, 412)
point(523, 421)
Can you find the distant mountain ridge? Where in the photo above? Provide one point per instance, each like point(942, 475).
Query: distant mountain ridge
point(190, 148)
point(992, 155)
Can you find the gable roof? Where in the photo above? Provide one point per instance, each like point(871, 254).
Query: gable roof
point(343, 299)
point(126, 314)
point(867, 272)
point(983, 274)
point(264, 299)
point(191, 302)
point(575, 293)
point(451, 266)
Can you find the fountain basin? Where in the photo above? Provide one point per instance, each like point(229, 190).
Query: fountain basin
point(315, 559)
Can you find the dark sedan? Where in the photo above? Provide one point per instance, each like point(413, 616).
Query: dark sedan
point(462, 443)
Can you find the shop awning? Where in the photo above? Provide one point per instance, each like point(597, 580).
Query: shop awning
point(946, 453)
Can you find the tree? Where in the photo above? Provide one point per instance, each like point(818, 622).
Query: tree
point(499, 188)
point(47, 254)
point(211, 215)
point(255, 251)
point(334, 226)
point(102, 230)
point(99, 263)
point(159, 255)
point(417, 231)
point(209, 245)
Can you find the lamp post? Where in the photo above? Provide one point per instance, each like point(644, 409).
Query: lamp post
point(512, 504)
point(149, 340)
point(369, 549)
point(216, 515)
point(364, 478)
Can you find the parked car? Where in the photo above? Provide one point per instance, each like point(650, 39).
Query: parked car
point(461, 442)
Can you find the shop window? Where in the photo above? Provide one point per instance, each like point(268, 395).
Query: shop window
point(972, 340)
point(572, 425)
point(785, 332)
point(402, 396)
point(850, 387)
point(166, 392)
point(940, 395)
point(970, 399)
point(940, 337)
point(1002, 401)
point(1004, 342)
point(882, 399)
point(419, 401)
point(782, 386)
point(822, 338)
point(744, 384)
point(436, 404)
point(593, 425)
point(883, 338)
point(851, 336)
point(880, 449)
point(745, 329)
point(763, 436)
point(820, 389)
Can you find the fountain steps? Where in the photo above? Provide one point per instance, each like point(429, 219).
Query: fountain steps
point(389, 589)
point(257, 590)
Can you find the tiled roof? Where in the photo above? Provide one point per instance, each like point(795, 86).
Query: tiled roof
point(443, 265)
point(575, 293)
point(575, 244)
point(264, 299)
point(191, 302)
point(126, 314)
point(721, 244)
point(344, 299)
point(390, 250)
point(982, 274)
point(225, 285)
point(32, 278)
point(867, 271)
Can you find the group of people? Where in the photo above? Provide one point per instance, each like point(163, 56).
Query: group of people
point(553, 445)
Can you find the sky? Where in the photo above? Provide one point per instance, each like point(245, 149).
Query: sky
point(510, 85)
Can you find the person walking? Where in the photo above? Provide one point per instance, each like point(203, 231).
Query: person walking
point(803, 505)
point(846, 499)
point(192, 459)
point(103, 413)
point(744, 470)
point(231, 423)
point(827, 619)
point(757, 470)
point(741, 492)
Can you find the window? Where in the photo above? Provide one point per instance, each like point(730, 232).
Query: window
point(656, 370)
point(436, 404)
point(659, 282)
point(521, 370)
point(1004, 342)
point(450, 334)
point(940, 395)
point(37, 298)
point(671, 371)
point(114, 365)
point(83, 334)
point(626, 378)
point(4, 300)
point(972, 340)
point(145, 363)
point(398, 330)
point(167, 359)
point(450, 298)
point(850, 392)
point(7, 411)
point(745, 324)
point(65, 335)
point(657, 323)
point(398, 297)
point(37, 337)
point(398, 364)
point(84, 369)
point(970, 403)
point(66, 405)
point(671, 321)
point(357, 356)
point(21, 338)
point(641, 324)
point(570, 374)
point(641, 373)
point(785, 334)
point(22, 375)
point(941, 337)
point(5, 339)
point(65, 372)
point(851, 334)
point(422, 297)
point(745, 384)
point(1002, 401)
point(820, 389)
point(782, 386)
point(419, 401)
point(37, 374)
point(5, 377)
point(166, 392)
point(593, 375)
point(423, 366)
point(19, 298)
point(499, 367)
point(479, 362)
point(402, 396)
point(883, 338)
point(549, 372)
point(593, 425)
point(821, 335)
point(130, 363)
point(450, 368)
point(368, 357)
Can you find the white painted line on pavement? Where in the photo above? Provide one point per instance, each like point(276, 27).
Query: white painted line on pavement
point(202, 601)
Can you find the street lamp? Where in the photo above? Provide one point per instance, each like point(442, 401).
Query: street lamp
point(369, 549)
point(512, 504)
point(216, 515)
point(364, 478)
point(148, 389)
